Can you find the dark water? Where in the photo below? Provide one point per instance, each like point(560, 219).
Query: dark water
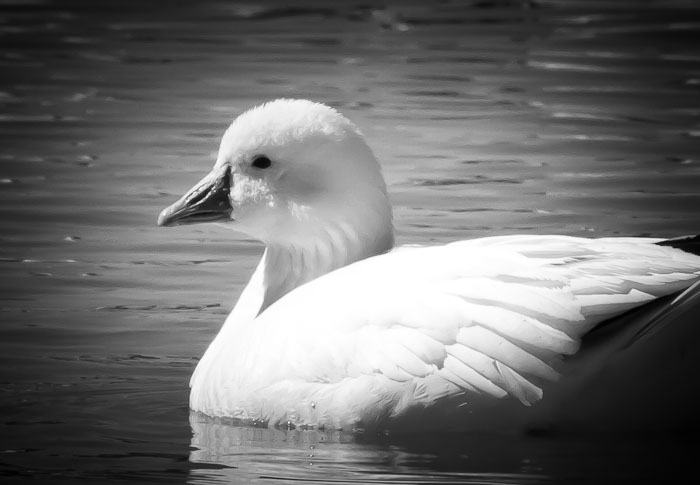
point(490, 117)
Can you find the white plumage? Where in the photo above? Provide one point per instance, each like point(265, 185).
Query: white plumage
point(336, 329)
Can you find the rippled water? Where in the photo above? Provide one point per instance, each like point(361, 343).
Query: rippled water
point(490, 117)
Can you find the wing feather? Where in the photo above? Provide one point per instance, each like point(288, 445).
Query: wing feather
point(531, 300)
point(489, 317)
point(504, 351)
point(521, 328)
point(466, 377)
point(494, 372)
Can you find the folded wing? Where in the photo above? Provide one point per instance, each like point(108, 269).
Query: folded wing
point(492, 317)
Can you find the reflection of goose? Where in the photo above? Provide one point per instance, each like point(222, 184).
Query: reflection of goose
point(338, 329)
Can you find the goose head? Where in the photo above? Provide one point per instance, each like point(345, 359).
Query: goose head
point(294, 174)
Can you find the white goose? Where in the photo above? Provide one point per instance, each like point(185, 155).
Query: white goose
point(339, 329)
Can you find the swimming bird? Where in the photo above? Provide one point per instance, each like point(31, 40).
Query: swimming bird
point(338, 328)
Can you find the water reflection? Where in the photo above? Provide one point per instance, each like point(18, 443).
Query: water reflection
point(262, 455)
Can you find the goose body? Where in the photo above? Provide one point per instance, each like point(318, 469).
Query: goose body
point(339, 329)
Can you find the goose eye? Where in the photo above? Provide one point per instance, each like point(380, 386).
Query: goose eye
point(261, 161)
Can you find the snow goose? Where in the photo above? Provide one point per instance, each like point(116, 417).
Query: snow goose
point(339, 329)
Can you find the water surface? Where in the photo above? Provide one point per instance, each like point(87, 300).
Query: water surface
point(489, 117)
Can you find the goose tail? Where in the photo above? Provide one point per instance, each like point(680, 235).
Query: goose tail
point(638, 371)
point(689, 244)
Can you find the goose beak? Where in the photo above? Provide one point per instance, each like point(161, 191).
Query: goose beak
point(207, 201)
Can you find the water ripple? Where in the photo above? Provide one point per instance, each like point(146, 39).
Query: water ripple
point(477, 179)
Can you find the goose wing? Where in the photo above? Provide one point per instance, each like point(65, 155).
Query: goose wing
point(490, 316)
